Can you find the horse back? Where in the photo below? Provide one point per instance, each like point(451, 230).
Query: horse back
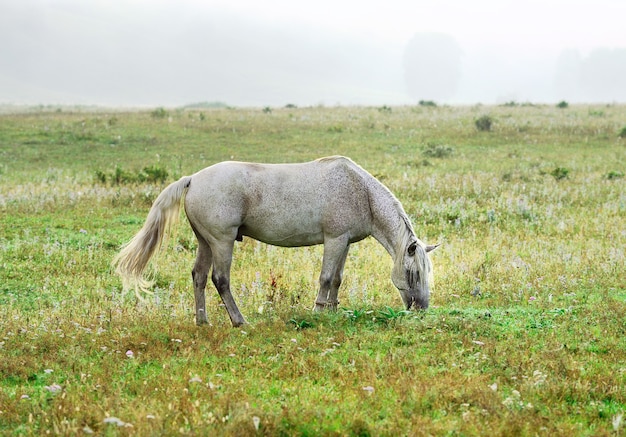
point(282, 204)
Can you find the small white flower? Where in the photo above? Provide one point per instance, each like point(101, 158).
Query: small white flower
point(115, 421)
point(256, 421)
point(369, 389)
point(130, 354)
point(195, 379)
point(54, 388)
point(48, 371)
point(539, 377)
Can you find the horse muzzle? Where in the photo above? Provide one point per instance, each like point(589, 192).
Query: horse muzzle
point(416, 301)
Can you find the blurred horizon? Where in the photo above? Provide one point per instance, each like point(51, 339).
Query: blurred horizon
point(243, 53)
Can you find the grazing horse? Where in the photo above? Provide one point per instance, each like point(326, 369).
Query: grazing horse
point(330, 201)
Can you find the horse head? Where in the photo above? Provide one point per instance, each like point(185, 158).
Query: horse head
point(411, 274)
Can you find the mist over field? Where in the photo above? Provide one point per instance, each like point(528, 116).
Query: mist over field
point(247, 54)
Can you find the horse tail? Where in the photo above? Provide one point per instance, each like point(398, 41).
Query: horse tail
point(130, 264)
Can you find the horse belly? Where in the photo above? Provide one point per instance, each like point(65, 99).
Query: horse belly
point(283, 231)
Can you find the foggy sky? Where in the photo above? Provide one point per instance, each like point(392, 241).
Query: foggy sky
point(162, 52)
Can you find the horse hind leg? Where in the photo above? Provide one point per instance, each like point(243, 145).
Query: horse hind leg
point(199, 275)
point(222, 259)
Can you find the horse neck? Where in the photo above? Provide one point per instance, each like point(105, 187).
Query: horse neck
point(391, 227)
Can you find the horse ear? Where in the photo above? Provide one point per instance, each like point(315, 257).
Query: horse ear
point(432, 247)
point(412, 248)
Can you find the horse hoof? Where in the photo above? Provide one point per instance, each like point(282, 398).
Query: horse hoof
point(238, 323)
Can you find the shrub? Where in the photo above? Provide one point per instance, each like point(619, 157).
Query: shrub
point(159, 113)
point(614, 174)
point(267, 110)
point(154, 173)
point(385, 109)
point(101, 177)
point(622, 133)
point(428, 103)
point(119, 176)
point(562, 104)
point(560, 173)
point(437, 151)
point(484, 123)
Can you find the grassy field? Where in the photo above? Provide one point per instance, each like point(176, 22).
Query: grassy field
point(527, 330)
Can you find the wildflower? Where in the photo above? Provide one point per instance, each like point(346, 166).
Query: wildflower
point(130, 354)
point(54, 388)
point(116, 421)
point(539, 377)
point(369, 389)
point(256, 421)
point(514, 401)
point(195, 379)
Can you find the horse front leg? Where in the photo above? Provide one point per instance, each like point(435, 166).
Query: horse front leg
point(199, 275)
point(333, 300)
point(222, 259)
point(335, 253)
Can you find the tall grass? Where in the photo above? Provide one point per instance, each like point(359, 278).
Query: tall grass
point(526, 334)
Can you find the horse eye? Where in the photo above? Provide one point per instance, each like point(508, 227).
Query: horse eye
point(412, 249)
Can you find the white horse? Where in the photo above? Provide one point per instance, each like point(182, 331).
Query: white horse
point(331, 201)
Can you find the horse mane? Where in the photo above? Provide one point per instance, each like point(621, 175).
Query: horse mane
point(423, 265)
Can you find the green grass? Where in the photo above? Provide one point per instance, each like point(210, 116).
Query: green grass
point(526, 335)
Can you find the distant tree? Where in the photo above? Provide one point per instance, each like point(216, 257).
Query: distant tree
point(567, 79)
point(432, 66)
point(599, 77)
point(603, 75)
